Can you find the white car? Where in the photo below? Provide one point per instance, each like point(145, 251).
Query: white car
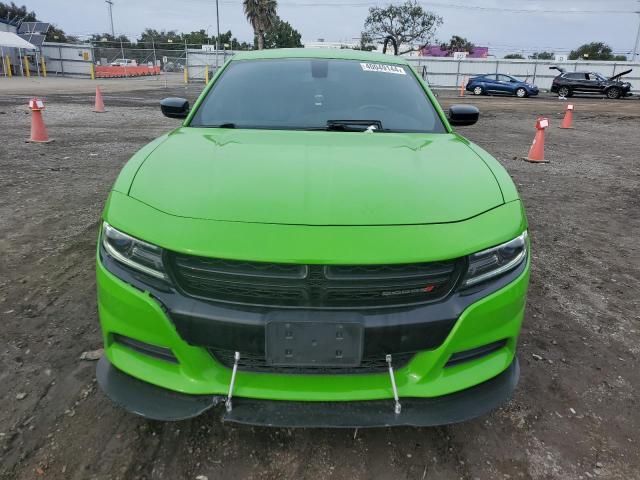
point(124, 62)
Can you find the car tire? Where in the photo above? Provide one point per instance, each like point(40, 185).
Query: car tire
point(613, 93)
point(564, 92)
point(521, 92)
point(478, 90)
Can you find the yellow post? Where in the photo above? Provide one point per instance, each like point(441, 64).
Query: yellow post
point(206, 74)
point(92, 71)
point(26, 67)
point(186, 75)
point(44, 66)
point(8, 64)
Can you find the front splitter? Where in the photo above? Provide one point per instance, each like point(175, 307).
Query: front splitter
point(157, 403)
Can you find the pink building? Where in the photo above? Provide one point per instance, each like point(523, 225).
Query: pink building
point(436, 51)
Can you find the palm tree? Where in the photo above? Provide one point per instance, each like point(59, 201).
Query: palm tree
point(261, 15)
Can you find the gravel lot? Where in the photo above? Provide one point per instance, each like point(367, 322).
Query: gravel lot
point(575, 414)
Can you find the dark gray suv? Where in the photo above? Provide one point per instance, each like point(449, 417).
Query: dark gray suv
point(568, 83)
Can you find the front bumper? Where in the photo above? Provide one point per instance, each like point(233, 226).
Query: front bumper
point(196, 381)
point(183, 327)
point(160, 404)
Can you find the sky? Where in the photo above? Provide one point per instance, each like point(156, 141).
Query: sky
point(502, 26)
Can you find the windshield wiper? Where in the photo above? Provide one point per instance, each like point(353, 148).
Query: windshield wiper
point(348, 125)
point(223, 125)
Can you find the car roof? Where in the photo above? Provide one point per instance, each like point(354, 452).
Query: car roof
point(327, 53)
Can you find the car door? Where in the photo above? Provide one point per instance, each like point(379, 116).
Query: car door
point(581, 82)
point(491, 83)
point(595, 82)
point(507, 84)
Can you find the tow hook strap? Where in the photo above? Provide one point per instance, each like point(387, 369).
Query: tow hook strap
point(392, 376)
point(228, 403)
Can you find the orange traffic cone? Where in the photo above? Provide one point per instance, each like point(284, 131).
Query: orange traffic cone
point(99, 107)
point(38, 130)
point(463, 85)
point(568, 117)
point(536, 152)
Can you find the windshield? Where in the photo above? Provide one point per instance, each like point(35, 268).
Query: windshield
point(318, 94)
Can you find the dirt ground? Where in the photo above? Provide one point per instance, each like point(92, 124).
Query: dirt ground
point(575, 414)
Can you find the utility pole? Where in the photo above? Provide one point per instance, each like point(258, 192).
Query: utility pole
point(218, 30)
point(635, 45)
point(110, 3)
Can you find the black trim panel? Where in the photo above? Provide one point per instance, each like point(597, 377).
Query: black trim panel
point(161, 353)
point(475, 353)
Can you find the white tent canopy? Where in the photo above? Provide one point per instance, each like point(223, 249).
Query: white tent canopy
point(11, 40)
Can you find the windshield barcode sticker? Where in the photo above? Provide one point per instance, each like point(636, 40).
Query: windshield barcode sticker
point(379, 67)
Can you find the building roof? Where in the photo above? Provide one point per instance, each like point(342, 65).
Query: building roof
point(11, 40)
point(437, 51)
point(344, 53)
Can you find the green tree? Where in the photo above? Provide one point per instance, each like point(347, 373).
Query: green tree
point(514, 56)
point(167, 40)
point(261, 14)
point(282, 35)
point(150, 35)
point(14, 14)
point(366, 43)
point(592, 51)
point(542, 56)
point(199, 37)
point(226, 38)
point(55, 34)
point(228, 41)
point(411, 26)
point(108, 38)
point(457, 44)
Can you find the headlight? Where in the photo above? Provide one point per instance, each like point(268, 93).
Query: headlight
point(132, 252)
point(496, 261)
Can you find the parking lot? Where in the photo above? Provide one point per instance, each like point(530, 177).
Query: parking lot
point(575, 413)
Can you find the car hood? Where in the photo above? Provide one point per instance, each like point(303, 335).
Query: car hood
point(316, 178)
point(621, 74)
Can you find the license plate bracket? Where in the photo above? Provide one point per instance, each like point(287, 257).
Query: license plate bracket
point(299, 342)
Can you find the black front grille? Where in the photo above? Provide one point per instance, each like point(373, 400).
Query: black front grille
point(313, 286)
point(257, 363)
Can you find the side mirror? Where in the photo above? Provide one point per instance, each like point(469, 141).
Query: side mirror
point(174, 107)
point(460, 115)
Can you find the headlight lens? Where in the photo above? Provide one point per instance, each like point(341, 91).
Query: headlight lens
point(132, 252)
point(496, 261)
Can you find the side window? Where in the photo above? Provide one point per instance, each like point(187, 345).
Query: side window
point(504, 78)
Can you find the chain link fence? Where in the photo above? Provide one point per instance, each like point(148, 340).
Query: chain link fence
point(196, 63)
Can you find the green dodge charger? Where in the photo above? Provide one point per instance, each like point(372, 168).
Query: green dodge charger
point(313, 246)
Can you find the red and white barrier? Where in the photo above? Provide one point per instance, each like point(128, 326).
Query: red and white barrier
point(109, 71)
